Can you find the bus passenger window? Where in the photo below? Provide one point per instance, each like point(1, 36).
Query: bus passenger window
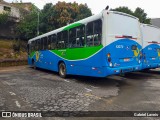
point(65, 38)
point(45, 43)
point(62, 38)
point(42, 44)
point(97, 32)
point(36, 45)
point(53, 41)
point(89, 34)
point(80, 34)
point(72, 38)
point(49, 43)
point(32, 46)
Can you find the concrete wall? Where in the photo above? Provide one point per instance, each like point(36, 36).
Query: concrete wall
point(8, 30)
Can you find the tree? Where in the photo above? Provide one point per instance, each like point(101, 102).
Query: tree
point(139, 13)
point(27, 28)
point(51, 17)
point(4, 18)
point(124, 9)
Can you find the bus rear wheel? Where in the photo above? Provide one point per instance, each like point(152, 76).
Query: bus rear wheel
point(62, 70)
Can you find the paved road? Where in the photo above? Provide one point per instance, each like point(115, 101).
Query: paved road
point(25, 89)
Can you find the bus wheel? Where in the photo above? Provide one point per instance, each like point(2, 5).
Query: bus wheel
point(62, 70)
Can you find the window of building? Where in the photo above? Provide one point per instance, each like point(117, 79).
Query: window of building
point(5, 8)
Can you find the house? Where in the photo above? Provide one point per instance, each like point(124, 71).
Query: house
point(16, 12)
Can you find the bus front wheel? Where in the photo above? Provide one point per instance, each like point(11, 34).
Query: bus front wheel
point(62, 70)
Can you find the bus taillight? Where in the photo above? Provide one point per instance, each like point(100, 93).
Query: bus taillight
point(109, 57)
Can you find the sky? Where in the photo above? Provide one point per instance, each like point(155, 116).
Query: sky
point(151, 7)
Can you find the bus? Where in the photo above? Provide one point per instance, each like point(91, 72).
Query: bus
point(108, 43)
point(151, 46)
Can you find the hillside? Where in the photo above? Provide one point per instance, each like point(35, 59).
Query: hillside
point(7, 50)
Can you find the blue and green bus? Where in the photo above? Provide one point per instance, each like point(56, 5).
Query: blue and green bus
point(101, 45)
point(151, 46)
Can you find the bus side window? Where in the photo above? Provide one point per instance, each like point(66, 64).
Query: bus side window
point(42, 45)
point(36, 45)
point(65, 38)
point(39, 43)
point(80, 35)
point(45, 42)
point(32, 46)
point(49, 43)
point(72, 38)
point(97, 32)
point(59, 42)
point(89, 34)
point(53, 41)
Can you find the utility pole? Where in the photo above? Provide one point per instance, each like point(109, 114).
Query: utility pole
point(38, 23)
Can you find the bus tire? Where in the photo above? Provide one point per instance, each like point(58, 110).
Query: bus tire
point(62, 70)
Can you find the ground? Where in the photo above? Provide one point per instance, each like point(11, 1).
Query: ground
point(25, 89)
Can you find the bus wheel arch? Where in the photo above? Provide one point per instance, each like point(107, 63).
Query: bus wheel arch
point(62, 70)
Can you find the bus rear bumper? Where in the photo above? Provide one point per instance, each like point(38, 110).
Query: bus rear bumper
point(151, 66)
point(120, 70)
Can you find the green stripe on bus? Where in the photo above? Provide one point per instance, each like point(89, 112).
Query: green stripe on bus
point(72, 26)
point(32, 54)
point(77, 53)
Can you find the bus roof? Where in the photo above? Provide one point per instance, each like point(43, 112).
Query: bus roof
point(125, 14)
point(83, 21)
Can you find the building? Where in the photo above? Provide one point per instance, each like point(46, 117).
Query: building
point(155, 22)
point(16, 12)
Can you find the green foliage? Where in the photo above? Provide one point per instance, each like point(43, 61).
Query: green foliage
point(3, 18)
point(139, 13)
point(51, 17)
point(124, 9)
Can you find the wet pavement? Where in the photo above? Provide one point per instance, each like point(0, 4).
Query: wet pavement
point(25, 89)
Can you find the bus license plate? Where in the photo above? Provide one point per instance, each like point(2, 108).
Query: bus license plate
point(126, 59)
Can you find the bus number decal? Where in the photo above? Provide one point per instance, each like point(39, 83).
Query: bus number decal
point(119, 46)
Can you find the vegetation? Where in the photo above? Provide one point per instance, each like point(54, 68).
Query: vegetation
point(139, 13)
point(3, 18)
point(51, 17)
point(8, 51)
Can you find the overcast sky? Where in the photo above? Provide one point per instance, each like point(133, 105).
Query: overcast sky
point(151, 7)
